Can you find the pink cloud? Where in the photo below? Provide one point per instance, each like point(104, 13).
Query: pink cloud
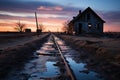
point(58, 8)
point(44, 8)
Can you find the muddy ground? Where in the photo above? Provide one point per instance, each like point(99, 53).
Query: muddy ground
point(17, 54)
point(102, 54)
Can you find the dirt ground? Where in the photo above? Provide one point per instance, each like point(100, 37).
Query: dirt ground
point(15, 52)
point(13, 42)
point(103, 53)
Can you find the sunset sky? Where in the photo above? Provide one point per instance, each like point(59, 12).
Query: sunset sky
point(53, 13)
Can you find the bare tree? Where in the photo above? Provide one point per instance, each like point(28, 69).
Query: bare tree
point(41, 27)
point(68, 28)
point(65, 26)
point(20, 26)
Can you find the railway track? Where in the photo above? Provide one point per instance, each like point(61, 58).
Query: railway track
point(67, 66)
point(54, 61)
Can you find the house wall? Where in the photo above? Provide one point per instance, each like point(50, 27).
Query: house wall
point(97, 25)
point(84, 26)
point(94, 22)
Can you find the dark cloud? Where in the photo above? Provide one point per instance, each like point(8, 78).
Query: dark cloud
point(13, 17)
point(19, 6)
point(112, 16)
point(25, 6)
point(31, 6)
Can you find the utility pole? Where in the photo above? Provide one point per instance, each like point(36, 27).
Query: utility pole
point(36, 22)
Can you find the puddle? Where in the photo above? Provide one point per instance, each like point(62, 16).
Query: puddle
point(51, 71)
point(42, 66)
point(47, 48)
point(82, 73)
point(76, 64)
point(49, 43)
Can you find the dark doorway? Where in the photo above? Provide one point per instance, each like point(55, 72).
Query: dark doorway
point(80, 28)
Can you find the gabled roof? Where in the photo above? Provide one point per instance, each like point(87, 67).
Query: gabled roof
point(85, 12)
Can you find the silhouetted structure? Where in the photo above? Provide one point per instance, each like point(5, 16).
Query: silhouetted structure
point(86, 22)
point(36, 21)
point(28, 30)
point(37, 30)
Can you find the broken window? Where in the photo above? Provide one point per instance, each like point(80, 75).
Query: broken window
point(89, 25)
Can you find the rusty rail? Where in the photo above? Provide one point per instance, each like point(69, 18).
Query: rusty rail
point(68, 69)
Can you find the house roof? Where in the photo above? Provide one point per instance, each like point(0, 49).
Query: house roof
point(84, 12)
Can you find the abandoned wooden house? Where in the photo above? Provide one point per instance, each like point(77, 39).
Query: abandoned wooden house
point(86, 22)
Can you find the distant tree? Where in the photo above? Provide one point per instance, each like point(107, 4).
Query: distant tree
point(20, 26)
point(67, 28)
point(41, 27)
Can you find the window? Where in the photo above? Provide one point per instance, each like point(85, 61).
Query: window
point(89, 25)
point(88, 16)
point(98, 26)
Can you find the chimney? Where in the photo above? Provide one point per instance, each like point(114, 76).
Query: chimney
point(73, 17)
point(79, 11)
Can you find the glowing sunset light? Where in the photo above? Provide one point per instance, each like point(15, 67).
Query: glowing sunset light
point(6, 29)
point(53, 13)
point(111, 28)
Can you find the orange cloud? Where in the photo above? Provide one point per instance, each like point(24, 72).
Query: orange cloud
point(58, 8)
point(44, 8)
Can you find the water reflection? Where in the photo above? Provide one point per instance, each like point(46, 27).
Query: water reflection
point(51, 71)
point(77, 65)
point(43, 66)
point(82, 73)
